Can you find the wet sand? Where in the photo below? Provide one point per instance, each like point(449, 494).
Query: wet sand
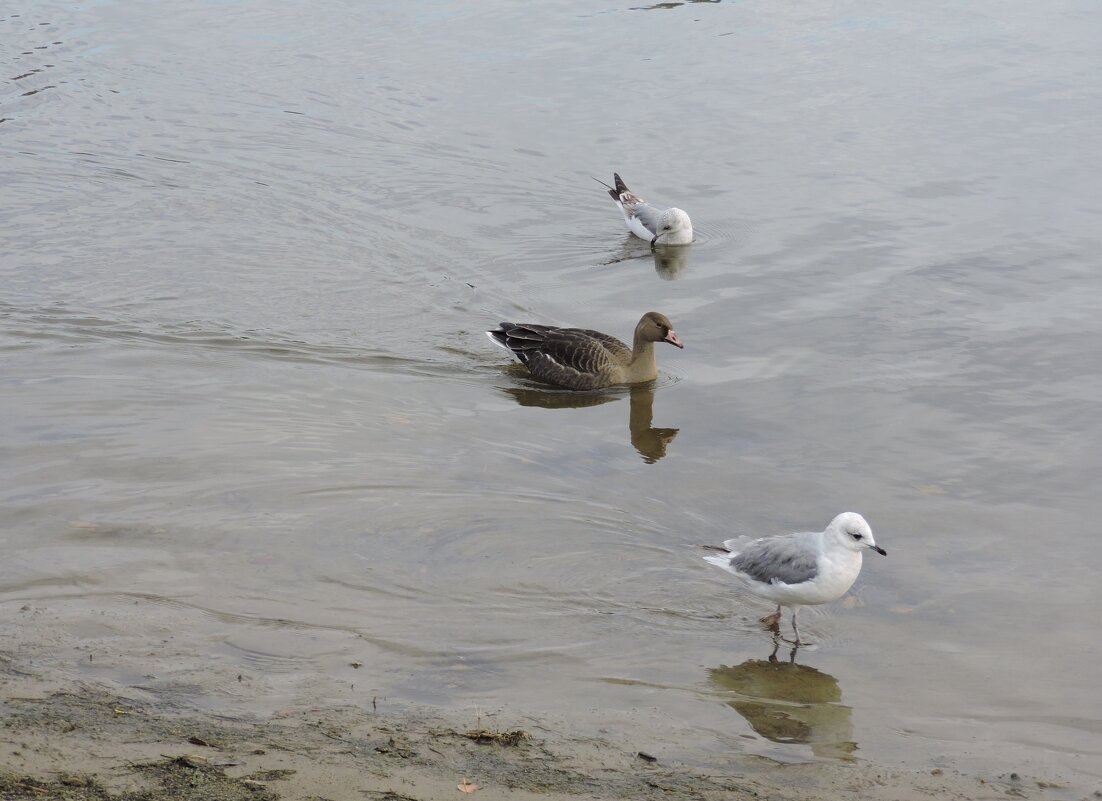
point(69, 739)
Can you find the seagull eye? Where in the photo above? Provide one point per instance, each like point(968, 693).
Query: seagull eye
point(857, 536)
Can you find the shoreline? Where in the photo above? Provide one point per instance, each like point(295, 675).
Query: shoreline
point(74, 740)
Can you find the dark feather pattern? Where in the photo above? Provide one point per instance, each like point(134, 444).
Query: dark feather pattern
point(580, 358)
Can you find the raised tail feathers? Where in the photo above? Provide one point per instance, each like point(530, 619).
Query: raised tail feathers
point(619, 189)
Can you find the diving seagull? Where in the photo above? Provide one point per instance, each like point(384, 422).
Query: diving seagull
point(659, 226)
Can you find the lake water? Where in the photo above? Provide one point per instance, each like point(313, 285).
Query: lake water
point(252, 431)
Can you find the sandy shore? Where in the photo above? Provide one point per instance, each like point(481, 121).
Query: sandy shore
point(77, 740)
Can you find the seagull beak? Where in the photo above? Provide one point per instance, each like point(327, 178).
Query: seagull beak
point(654, 239)
point(879, 550)
point(673, 340)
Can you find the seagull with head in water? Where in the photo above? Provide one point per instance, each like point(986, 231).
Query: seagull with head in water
point(659, 226)
point(802, 569)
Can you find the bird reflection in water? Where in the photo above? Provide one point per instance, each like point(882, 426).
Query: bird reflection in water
point(671, 4)
point(789, 703)
point(670, 261)
point(650, 442)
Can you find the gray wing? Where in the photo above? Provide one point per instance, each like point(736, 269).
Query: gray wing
point(648, 215)
point(786, 558)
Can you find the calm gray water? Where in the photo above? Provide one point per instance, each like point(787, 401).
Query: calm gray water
point(251, 424)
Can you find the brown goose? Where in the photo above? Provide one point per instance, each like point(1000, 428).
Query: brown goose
point(577, 358)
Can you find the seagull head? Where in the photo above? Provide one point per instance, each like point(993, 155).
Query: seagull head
point(851, 531)
point(675, 226)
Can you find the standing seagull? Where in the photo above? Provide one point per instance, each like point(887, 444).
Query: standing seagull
point(658, 226)
point(577, 358)
point(803, 569)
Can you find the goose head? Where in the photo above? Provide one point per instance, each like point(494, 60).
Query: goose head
point(656, 327)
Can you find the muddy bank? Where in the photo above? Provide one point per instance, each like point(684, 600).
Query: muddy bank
point(82, 741)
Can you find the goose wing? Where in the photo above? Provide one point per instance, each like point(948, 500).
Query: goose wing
point(616, 349)
point(521, 339)
point(575, 358)
point(578, 358)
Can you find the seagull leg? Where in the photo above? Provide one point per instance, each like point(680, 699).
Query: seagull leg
point(773, 619)
point(795, 628)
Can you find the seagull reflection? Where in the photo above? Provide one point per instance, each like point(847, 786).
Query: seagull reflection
point(790, 703)
point(669, 261)
point(650, 442)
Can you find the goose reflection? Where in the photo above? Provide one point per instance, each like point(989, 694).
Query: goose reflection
point(670, 261)
point(671, 4)
point(650, 442)
point(790, 703)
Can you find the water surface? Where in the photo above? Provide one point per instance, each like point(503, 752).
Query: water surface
point(251, 426)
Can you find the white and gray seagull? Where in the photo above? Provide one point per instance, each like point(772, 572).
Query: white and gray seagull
point(657, 225)
point(802, 569)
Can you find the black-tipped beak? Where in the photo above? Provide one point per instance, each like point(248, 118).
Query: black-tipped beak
point(653, 240)
point(879, 550)
point(673, 340)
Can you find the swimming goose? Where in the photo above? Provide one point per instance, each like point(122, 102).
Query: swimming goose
point(580, 359)
point(657, 225)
